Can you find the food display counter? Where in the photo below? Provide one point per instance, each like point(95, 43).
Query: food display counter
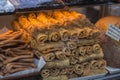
point(59, 39)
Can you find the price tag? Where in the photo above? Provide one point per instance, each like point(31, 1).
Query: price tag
point(113, 32)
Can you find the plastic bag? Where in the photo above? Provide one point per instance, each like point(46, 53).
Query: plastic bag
point(6, 6)
point(21, 4)
point(3, 2)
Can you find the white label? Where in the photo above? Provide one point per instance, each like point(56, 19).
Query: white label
point(113, 32)
point(41, 63)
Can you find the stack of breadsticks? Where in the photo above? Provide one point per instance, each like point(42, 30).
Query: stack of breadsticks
point(67, 41)
point(15, 54)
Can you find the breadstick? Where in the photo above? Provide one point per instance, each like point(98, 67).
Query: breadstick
point(10, 53)
point(25, 46)
point(6, 33)
point(17, 70)
point(26, 60)
point(17, 58)
point(8, 45)
point(12, 38)
point(2, 56)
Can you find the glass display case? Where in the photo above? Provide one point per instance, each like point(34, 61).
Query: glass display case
point(59, 39)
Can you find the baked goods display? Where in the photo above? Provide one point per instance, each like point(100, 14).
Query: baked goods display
point(67, 41)
point(15, 54)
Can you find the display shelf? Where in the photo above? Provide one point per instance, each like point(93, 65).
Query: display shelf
point(26, 10)
point(89, 77)
point(55, 6)
point(7, 13)
point(115, 76)
point(113, 73)
point(100, 77)
point(113, 70)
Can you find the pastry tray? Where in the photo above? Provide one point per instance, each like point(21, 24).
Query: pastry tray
point(26, 73)
point(112, 73)
point(89, 77)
